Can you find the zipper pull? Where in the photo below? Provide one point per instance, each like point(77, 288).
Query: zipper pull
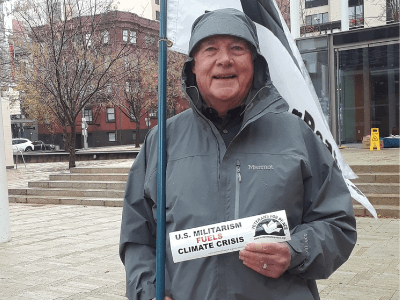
point(239, 176)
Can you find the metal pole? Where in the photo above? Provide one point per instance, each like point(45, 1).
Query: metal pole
point(295, 19)
point(161, 152)
point(344, 14)
point(4, 206)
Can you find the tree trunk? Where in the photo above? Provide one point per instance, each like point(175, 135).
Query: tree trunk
point(72, 147)
point(137, 136)
point(66, 139)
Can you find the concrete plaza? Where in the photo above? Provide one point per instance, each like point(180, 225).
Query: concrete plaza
point(71, 252)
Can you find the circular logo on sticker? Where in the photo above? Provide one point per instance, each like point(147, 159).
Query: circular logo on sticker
point(269, 227)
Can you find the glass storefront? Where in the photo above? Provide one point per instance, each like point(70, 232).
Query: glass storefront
point(368, 91)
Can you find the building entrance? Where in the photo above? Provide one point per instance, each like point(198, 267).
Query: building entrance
point(368, 89)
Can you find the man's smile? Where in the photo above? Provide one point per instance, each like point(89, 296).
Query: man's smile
point(224, 76)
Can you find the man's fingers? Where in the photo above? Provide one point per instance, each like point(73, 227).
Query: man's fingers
point(269, 271)
point(267, 259)
point(166, 298)
point(270, 248)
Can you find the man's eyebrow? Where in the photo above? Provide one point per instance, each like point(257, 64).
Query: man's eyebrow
point(208, 42)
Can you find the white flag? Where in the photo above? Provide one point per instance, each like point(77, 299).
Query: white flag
point(288, 72)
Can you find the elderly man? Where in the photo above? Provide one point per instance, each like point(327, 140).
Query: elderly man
point(237, 121)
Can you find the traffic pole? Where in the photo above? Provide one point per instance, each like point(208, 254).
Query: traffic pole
point(161, 152)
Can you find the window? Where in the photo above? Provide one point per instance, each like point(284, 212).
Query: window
point(78, 39)
point(109, 88)
point(126, 62)
point(157, 15)
point(356, 13)
point(110, 114)
point(316, 3)
point(88, 114)
point(149, 40)
point(153, 114)
point(112, 137)
point(132, 37)
point(106, 36)
point(125, 36)
point(127, 86)
point(129, 36)
point(157, 2)
point(88, 39)
point(392, 11)
point(317, 19)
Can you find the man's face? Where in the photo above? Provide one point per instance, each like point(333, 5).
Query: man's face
point(224, 71)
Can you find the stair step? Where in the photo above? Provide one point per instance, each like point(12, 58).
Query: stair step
point(100, 170)
point(68, 192)
point(389, 211)
point(377, 178)
point(382, 199)
point(89, 177)
point(379, 188)
point(88, 201)
point(376, 169)
point(101, 185)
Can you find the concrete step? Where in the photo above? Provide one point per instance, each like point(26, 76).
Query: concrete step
point(382, 199)
point(92, 185)
point(68, 192)
point(88, 201)
point(376, 169)
point(377, 178)
point(387, 211)
point(89, 177)
point(379, 188)
point(101, 170)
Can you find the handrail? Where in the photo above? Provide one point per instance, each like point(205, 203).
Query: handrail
point(16, 158)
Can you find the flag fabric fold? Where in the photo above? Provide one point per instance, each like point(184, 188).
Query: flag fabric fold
point(287, 69)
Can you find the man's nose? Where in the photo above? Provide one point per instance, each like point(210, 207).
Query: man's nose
point(224, 57)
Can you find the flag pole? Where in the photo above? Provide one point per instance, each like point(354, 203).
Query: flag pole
point(161, 152)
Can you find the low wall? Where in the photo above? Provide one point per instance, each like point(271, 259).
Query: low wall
point(60, 156)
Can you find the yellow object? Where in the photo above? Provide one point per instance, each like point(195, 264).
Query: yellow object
point(375, 143)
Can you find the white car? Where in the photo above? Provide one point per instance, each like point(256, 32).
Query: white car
point(22, 144)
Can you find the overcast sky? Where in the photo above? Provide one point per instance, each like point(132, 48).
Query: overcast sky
point(139, 7)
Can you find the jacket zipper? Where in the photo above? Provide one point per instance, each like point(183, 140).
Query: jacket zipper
point(238, 181)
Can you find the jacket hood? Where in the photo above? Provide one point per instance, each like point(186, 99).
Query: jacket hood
point(231, 22)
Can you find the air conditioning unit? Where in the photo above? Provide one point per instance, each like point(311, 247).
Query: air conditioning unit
point(153, 115)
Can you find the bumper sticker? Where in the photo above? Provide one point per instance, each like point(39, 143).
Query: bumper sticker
point(228, 236)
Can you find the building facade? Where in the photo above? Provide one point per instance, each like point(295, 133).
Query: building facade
point(113, 124)
point(355, 72)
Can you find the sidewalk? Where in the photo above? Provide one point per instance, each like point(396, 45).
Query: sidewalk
point(71, 252)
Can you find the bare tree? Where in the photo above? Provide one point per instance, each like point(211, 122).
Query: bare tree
point(6, 76)
point(175, 62)
point(388, 10)
point(138, 91)
point(284, 7)
point(71, 58)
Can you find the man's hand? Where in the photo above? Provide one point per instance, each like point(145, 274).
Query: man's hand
point(268, 259)
point(166, 298)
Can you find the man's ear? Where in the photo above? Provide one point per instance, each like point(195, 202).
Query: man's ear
point(193, 66)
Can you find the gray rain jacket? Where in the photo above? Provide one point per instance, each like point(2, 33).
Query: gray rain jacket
point(209, 182)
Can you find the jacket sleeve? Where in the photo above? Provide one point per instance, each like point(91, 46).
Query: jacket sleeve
point(138, 234)
point(327, 234)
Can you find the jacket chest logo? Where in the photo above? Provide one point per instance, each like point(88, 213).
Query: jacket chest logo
point(264, 167)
